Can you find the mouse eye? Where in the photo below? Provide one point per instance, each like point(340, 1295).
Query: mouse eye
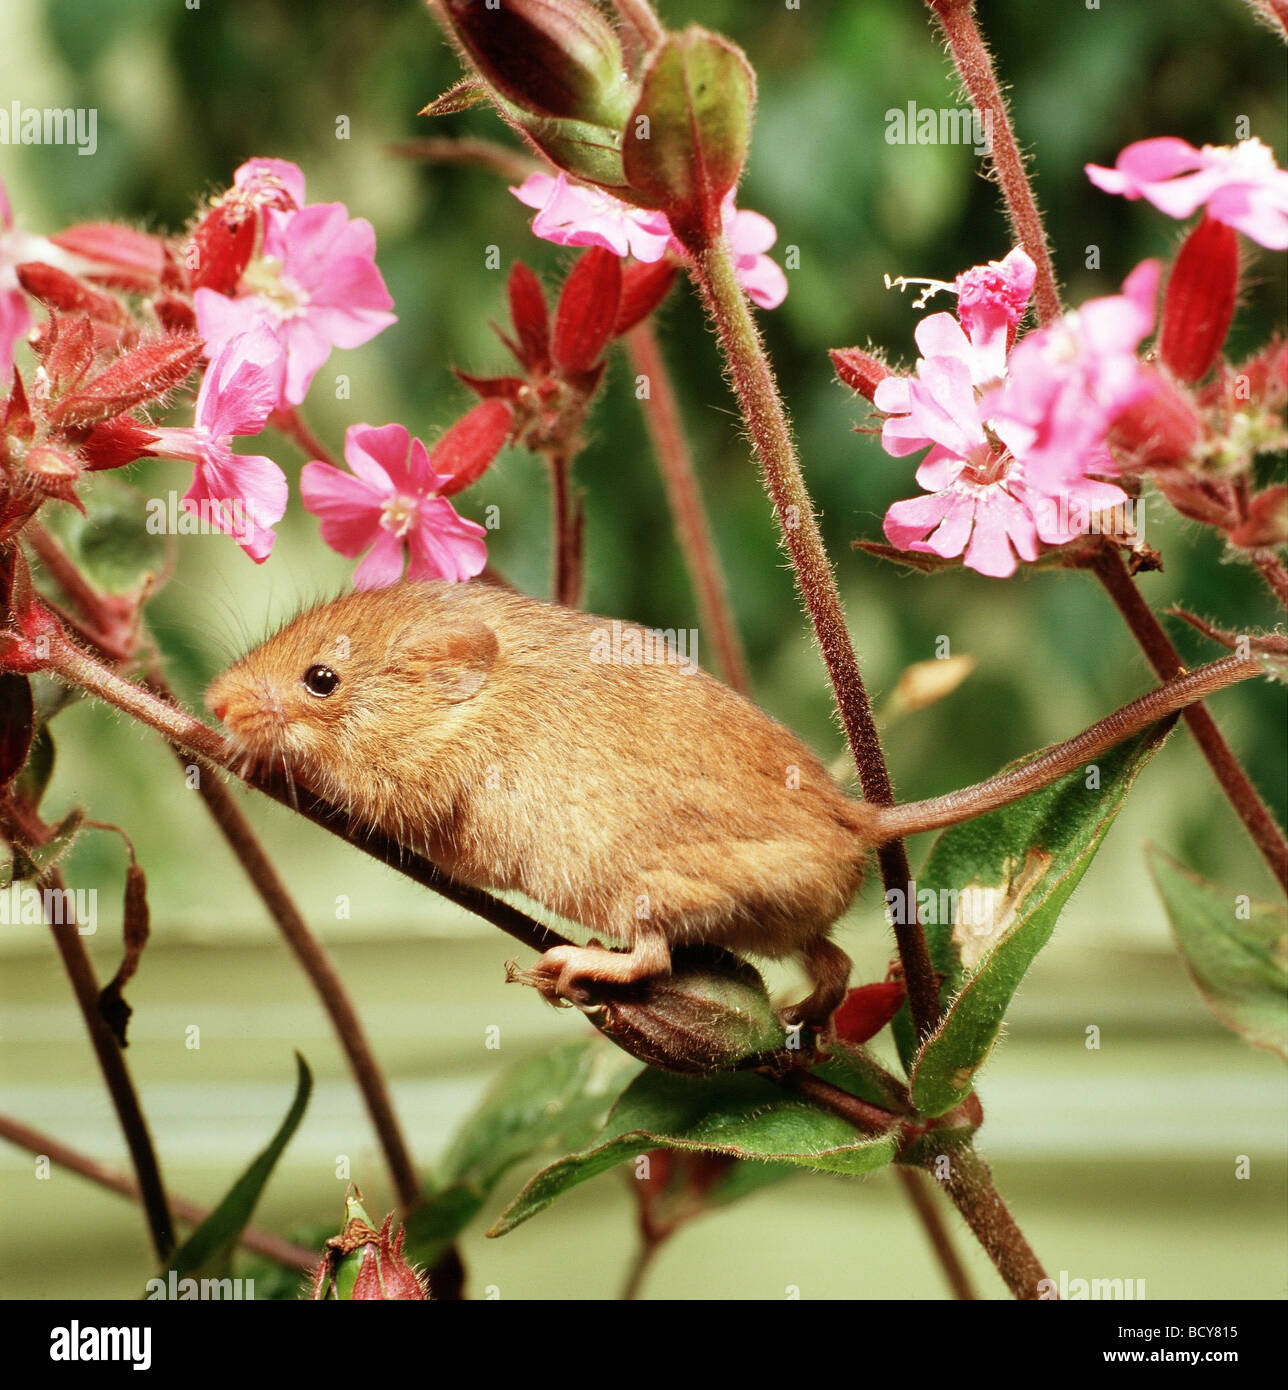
point(320, 680)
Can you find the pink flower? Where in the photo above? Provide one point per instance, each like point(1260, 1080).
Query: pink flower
point(314, 281)
point(391, 502)
point(750, 235)
point(570, 214)
point(1001, 480)
point(243, 495)
point(1240, 186)
point(15, 319)
point(271, 181)
point(1067, 383)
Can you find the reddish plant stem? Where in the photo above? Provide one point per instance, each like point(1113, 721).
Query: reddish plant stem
point(1272, 571)
point(567, 524)
point(24, 828)
point(941, 1241)
point(863, 1115)
point(661, 413)
point(975, 68)
point(511, 164)
point(1109, 568)
point(264, 1243)
point(291, 423)
point(970, 1186)
point(766, 419)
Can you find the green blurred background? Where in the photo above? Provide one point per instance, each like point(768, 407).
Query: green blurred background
point(1118, 1162)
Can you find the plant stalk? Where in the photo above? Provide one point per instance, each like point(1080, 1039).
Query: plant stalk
point(662, 419)
point(1108, 567)
point(766, 420)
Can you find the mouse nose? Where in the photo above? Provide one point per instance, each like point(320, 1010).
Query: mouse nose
point(219, 708)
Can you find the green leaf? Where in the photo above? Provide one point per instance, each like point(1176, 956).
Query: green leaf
point(209, 1248)
point(114, 545)
point(563, 1095)
point(686, 140)
point(1238, 963)
point(39, 859)
point(739, 1114)
point(1021, 863)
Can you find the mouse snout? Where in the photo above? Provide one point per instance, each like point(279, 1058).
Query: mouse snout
point(247, 709)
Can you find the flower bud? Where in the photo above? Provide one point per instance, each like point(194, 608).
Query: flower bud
point(1266, 524)
point(688, 135)
point(1161, 429)
point(1199, 302)
point(363, 1263)
point(859, 370)
point(711, 1013)
point(557, 58)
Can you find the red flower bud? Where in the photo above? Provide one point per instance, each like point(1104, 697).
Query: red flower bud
point(531, 318)
point(57, 290)
point(867, 1009)
point(222, 244)
point(124, 258)
point(116, 442)
point(859, 370)
point(67, 351)
point(1160, 430)
point(141, 375)
point(1267, 521)
point(53, 470)
point(644, 286)
point(471, 444)
point(1199, 302)
point(587, 311)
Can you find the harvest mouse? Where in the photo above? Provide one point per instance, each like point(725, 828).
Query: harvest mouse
point(521, 745)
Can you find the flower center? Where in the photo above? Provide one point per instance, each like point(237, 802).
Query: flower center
point(263, 277)
point(399, 514)
point(989, 465)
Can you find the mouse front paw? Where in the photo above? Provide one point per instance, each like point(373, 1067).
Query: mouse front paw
point(555, 977)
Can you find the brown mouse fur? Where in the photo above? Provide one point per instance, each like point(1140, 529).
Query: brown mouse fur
point(655, 806)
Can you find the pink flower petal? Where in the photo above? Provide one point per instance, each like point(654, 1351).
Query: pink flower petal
point(910, 521)
point(444, 545)
point(383, 564)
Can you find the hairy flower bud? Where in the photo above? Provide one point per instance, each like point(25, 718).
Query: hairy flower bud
point(711, 1013)
point(1199, 302)
point(363, 1263)
point(557, 58)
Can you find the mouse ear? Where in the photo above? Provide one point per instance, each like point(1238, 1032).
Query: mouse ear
point(454, 660)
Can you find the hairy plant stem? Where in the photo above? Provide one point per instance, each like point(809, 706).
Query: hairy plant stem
point(567, 529)
point(661, 413)
point(511, 164)
point(975, 68)
point(24, 828)
point(970, 1186)
point(766, 420)
point(1270, 568)
point(264, 1243)
point(941, 1241)
point(1108, 567)
point(291, 423)
point(641, 1262)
